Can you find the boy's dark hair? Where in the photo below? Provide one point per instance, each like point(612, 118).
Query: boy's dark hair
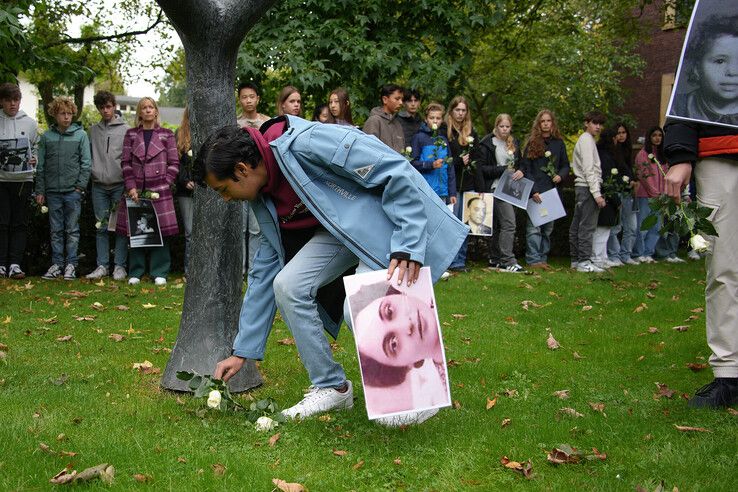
point(388, 89)
point(9, 91)
point(381, 375)
point(606, 142)
point(595, 117)
point(248, 85)
point(706, 32)
point(221, 151)
point(102, 98)
point(408, 94)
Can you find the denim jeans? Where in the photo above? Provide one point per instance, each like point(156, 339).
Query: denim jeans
point(13, 221)
point(460, 258)
point(646, 244)
point(102, 201)
point(667, 245)
point(64, 210)
point(537, 242)
point(629, 225)
point(251, 234)
point(186, 210)
point(318, 263)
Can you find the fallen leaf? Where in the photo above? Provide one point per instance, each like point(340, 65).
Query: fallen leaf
point(286, 341)
point(7, 320)
point(510, 321)
point(511, 393)
point(85, 318)
point(273, 440)
point(181, 459)
point(75, 294)
point(561, 394)
point(586, 308)
point(148, 305)
point(45, 448)
point(64, 476)
point(570, 411)
point(65, 338)
point(287, 487)
point(526, 467)
point(51, 321)
point(3, 347)
point(340, 452)
point(491, 403)
point(121, 307)
point(505, 422)
point(597, 407)
point(577, 356)
point(219, 469)
point(551, 342)
point(697, 310)
point(681, 328)
point(358, 465)
point(653, 329)
point(527, 304)
point(142, 365)
point(397, 461)
point(140, 477)
point(732, 411)
point(640, 308)
point(116, 337)
point(97, 306)
point(597, 454)
point(458, 316)
point(685, 428)
point(696, 367)
point(325, 418)
point(663, 392)
point(564, 454)
point(103, 471)
point(456, 404)
point(650, 295)
point(691, 318)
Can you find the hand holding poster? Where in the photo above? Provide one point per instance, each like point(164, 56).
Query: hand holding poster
point(398, 339)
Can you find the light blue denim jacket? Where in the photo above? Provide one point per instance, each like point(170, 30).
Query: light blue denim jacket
point(366, 195)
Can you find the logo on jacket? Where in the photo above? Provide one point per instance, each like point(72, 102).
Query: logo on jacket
point(340, 191)
point(364, 171)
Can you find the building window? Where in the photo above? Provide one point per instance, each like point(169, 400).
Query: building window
point(667, 85)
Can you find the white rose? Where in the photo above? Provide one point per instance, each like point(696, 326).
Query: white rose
point(434, 126)
point(154, 196)
point(510, 152)
point(189, 153)
point(626, 179)
point(44, 209)
point(698, 243)
point(548, 153)
point(264, 424)
point(614, 171)
point(409, 150)
point(214, 399)
point(650, 157)
point(98, 225)
point(469, 140)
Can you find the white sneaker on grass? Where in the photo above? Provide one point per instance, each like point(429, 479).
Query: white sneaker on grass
point(615, 263)
point(15, 272)
point(99, 272)
point(574, 265)
point(160, 281)
point(445, 275)
point(514, 268)
point(410, 418)
point(119, 273)
point(319, 400)
point(693, 255)
point(675, 259)
point(646, 259)
point(588, 267)
point(53, 272)
point(632, 261)
point(70, 272)
point(134, 281)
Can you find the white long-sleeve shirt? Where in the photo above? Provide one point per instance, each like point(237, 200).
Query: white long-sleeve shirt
point(586, 164)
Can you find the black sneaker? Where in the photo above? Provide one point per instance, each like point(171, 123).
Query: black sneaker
point(721, 392)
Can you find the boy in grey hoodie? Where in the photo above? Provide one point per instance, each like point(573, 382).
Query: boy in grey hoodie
point(18, 140)
point(106, 139)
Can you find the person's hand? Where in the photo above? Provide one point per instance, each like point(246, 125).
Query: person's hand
point(32, 161)
point(556, 179)
point(536, 197)
point(78, 190)
point(40, 199)
point(437, 163)
point(190, 185)
point(227, 368)
point(517, 175)
point(634, 185)
point(133, 193)
point(600, 201)
point(408, 269)
point(452, 200)
point(677, 178)
point(465, 159)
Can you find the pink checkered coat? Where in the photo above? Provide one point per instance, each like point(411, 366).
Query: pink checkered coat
point(155, 170)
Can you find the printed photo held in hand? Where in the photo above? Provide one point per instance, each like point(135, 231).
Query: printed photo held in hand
point(143, 224)
point(477, 212)
point(680, 218)
point(706, 88)
point(399, 342)
point(513, 191)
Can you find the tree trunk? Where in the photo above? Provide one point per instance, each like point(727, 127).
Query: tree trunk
point(211, 32)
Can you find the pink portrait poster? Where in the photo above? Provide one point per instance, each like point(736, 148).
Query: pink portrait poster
point(399, 343)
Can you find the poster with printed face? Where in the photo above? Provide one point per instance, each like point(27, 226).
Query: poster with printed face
point(477, 212)
point(399, 343)
point(516, 192)
point(14, 155)
point(143, 224)
point(706, 88)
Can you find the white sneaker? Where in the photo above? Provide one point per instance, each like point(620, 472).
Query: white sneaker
point(693, 255)
point(160, 281)
point(119, 273)
point(514, 268)
point(632, 261)
point(99, 272)
point(53, 272)
point(675, 259)
point(3, 271)
point(574, 265)
point(588, 267)
point(70, 272)
point(646, 259)
point(410, 418)
point(615, 263)
point(134, 281)
point(445, 275)
point(319, 400)
point(14, 272)
point(602, 265)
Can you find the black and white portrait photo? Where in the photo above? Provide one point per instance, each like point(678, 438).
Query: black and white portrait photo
point(706, 88)
point(14, 155)
point(513, 191)
point(143, 224)
point(477, 212)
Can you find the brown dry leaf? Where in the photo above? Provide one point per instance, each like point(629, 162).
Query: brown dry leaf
point(148, 305)
point(458, 316)
point(181, 459)
point(577, 356)
point(116, 337)
point(663, 392)
point(64, 476)
point(491, 403)
point(325, 418)
point(358, 465)
point(675, 297)
point(85, 318)
point(97, 306)
point(71, 454)
point(570, 411)
point(510, 321)
point(65, 338)
point(140, 477)
point(586, 308)
point(653, 329)
point(456, 404)
point(273, 440)
point(511, 393)
point(564, 454)
point(686, 428)
point(45, 448)
point(640, 308)
point(561, 394)
point(288, 487)
point(121, 307)
point(527, 304)
point(597, 454)
point(732, 411)
point(7, 320)
point(551, 342)
point(597, 407)
point(397, 461)
point(681, 328)
point(526, 467)
point(219, 469)
point(696, 367)
point(103, 471)
point(3, 347)
point(286, 341)
point(340, 452)
point(650, 295)
point(75, 294)
point(51, 321)
point(691, 318)
point(505, 422)
point(697, 310)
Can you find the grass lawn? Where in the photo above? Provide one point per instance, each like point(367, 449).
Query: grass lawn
point(616, 341)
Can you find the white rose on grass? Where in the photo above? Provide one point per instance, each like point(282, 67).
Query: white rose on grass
point(189, 153)
point(547, 153)
point(698, 243)
point(264, 424)
point(44, 209)
point(626, 179)
point(154, 196)
point(409, 150)
point(614, 171)
point(214, 399)
point(434, 126)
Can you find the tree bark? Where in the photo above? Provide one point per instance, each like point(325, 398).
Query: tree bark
point(211, 32)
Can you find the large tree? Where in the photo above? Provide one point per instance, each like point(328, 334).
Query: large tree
point(211, 32)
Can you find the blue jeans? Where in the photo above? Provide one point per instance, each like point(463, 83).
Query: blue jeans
point(318, 263)
point(64, 210)
point(623, 249)
point(186, 210)
point(103, 200)
point(537, 242)
point(460, 258)
point(667, 245)
point(646, 243)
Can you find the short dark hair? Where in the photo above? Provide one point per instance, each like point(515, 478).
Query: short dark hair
point(381, 375)
point(248, 85)
point(408, 94)
point(469, 202)
point(9, 91)
point(102, 98)
point(388, 89)
point(595, 117)
point(222, 150)
point(706, 33)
